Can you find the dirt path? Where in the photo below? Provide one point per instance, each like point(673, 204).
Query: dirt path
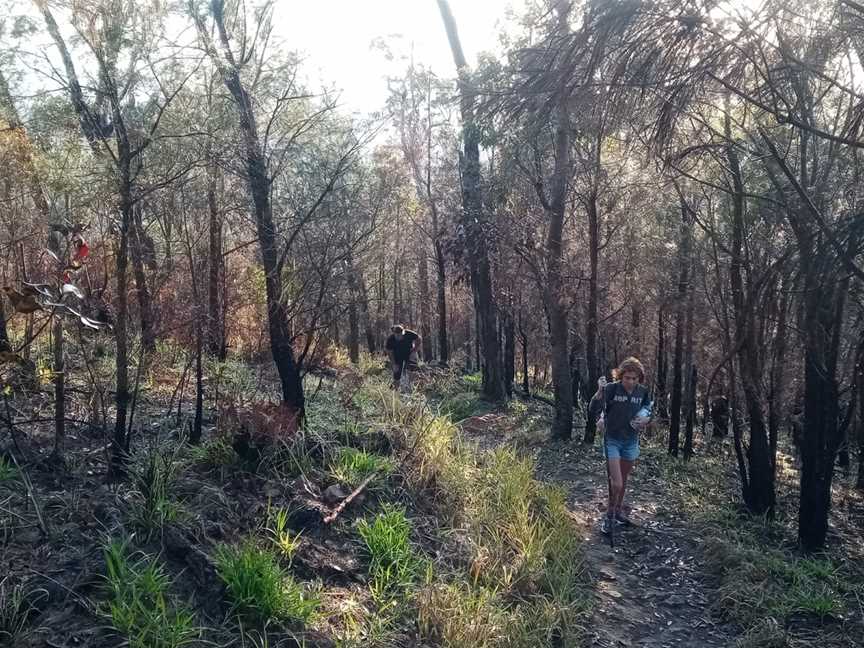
point(651, 589)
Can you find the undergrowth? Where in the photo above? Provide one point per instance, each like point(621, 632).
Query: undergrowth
point(393, 562)
point(511, 572)
point(352, 466)
point(259, 588)
point(138, 602)
point(8, 471)
point(16, 606)
point(154, 477)
point(765, 585)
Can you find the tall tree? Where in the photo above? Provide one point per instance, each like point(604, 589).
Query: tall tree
point(476, 248)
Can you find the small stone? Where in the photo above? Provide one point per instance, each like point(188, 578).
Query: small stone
point(334, 494)
point(607, 574)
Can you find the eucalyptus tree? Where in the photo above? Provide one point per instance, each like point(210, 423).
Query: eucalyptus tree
point(474, 221)
point(795, 117)
point(419, 110)
point(119, 110)
point(274, 114)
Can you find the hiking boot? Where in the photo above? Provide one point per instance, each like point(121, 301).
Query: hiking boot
point(606, 525)
point(622, 519)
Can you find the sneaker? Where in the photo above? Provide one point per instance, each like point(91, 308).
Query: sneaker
point(622, 519)
point(606, 525)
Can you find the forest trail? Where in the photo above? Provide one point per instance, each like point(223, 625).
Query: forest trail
point(650, 590)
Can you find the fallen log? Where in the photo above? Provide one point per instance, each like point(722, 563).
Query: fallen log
point(336, 511)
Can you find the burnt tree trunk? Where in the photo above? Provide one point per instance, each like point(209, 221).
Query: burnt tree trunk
point(365, 315)
point(690, 421)
point(690, 369)
point(592, 361)
point(195, 434)
point(660, 396)
point(119, 444)
point(509, 353)
point(59, 371)
point(145, 303)
point(259, 190)
point(354, 298)
point(215, 330)
point(472, 221)
point(680, 325)
point(761, 496)
point(4, 336)
point(441, 285)
point(778, 378)
point(555, 293)
point(859, 417)
point(524, 339)
point(425, 315)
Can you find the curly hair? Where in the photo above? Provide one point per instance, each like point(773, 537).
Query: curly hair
point(629, 364)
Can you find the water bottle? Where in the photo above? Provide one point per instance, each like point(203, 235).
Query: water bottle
point(642, 415)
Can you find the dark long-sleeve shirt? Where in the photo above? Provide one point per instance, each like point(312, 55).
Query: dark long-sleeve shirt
point(621, 408)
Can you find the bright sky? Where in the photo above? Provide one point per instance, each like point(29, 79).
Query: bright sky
point(337, 37)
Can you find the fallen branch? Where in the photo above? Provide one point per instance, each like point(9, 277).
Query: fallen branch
point(543, 399)
point(336, 511)
point(28, 486)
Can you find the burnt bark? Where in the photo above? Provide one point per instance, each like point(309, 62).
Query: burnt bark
point(690, 369)
point(215, 319)
point(473, 222)
point(680, 325)
point(859, 418)
point(59, 370)
point(425, 315)
point(690, 421)
point(760, 497)
point(365, 315)
point(119, 443)
point(778, 379)
point(509, 353)
point(661, 403)
point(592, 359)
point(354, 298)
point(441, 285)
point(145, 303)
point(259, 189)
point(4, 336)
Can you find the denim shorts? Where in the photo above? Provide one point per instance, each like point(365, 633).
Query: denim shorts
point(627, 449)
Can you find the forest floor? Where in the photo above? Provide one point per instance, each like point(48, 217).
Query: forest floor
point(470, 529)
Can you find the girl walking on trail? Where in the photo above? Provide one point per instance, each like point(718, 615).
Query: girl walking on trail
point(626, 408)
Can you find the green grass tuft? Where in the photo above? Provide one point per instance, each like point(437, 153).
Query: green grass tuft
point(393, 563)
point(351, 466)
point(286, 542)
point(8, 471)
point(138, 604)
point(460, 405)
point(259, 589)
point(153, 482)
